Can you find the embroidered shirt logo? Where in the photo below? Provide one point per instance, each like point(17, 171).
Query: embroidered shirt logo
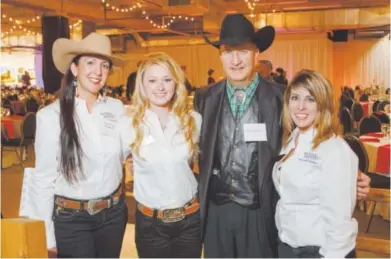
point(310, 157)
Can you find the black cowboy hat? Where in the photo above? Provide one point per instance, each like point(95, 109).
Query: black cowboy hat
point(237, 29)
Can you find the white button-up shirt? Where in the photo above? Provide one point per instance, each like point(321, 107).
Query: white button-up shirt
point(102, 158)
point(318, 195)
point(163, 178)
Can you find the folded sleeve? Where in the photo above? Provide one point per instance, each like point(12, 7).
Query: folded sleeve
point(338, 199)
point(46, 170)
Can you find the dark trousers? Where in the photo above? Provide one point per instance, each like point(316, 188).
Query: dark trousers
point(79, 234)
point(286, 251)
point(234, 231)
point(155, 238)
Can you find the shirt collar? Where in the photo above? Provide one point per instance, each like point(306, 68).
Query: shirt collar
point(250, 87)
point(307, 136)
point(150, 114)
point(79, 101)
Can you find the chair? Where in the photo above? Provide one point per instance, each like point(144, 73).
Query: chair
point(346, 120)
point(346, 101)
point(357, 111)
point(375, 106)
point(359, 149)
point(383, 118)
point(32, 105)
point(377, 196)
point(382, 105)
point(369, 124)
point(28, 128)
point(364, 98)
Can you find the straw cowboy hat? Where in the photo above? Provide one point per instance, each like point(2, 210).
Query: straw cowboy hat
point(236, 29)
point(65, 50)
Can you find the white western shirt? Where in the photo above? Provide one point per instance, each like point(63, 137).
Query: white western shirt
point(163, 178)
point(102, 157)
point(317, 191)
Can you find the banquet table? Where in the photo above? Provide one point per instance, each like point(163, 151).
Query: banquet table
point(378, 149)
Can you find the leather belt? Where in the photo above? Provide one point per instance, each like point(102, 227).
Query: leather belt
point(91, 206)
point(171, 215)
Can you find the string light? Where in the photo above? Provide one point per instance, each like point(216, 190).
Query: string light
point(19, 24)
point(251, 6)
point(121, 9)
point(31, 20)
point(76, 24)
point(171, 19)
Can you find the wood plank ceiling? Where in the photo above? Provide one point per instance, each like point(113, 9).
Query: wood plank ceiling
point(153, 18)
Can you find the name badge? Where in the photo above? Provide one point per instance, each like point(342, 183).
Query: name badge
point(108, 124)
point(254, 132)
point(310, 157)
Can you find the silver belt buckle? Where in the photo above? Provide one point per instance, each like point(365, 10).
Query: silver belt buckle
point(115, 201)
point(173, 215)
point(91, 207)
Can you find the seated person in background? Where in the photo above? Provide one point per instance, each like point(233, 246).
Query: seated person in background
point(316, 177)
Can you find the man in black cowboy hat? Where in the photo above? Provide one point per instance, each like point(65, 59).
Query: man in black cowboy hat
point(240, 138)
point(235, 189)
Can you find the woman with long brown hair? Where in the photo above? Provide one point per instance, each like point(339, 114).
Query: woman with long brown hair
point(78, 169)
point(162, 134)
point(316, 178)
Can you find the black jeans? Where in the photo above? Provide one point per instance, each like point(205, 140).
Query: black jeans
point(155, 238)
point(79, 234)
point(286, 251)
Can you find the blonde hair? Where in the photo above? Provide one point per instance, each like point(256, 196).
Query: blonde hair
point(179, 105)
point(326, 122)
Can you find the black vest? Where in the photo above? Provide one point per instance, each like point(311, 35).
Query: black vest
point(235, 173)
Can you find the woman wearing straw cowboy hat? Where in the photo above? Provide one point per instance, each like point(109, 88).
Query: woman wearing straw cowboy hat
point(240, 135)
point(78, 155)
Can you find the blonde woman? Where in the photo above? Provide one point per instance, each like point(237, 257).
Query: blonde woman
point(316, 178)
point(162, 135)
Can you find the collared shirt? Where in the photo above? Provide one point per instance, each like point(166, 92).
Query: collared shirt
point(318, 195)
point(238, 110)
point(101, 160)
point(163, 178)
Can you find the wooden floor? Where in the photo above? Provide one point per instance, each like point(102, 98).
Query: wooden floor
point(11, 183)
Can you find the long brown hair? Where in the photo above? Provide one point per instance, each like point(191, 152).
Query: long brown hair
point(326, 122)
